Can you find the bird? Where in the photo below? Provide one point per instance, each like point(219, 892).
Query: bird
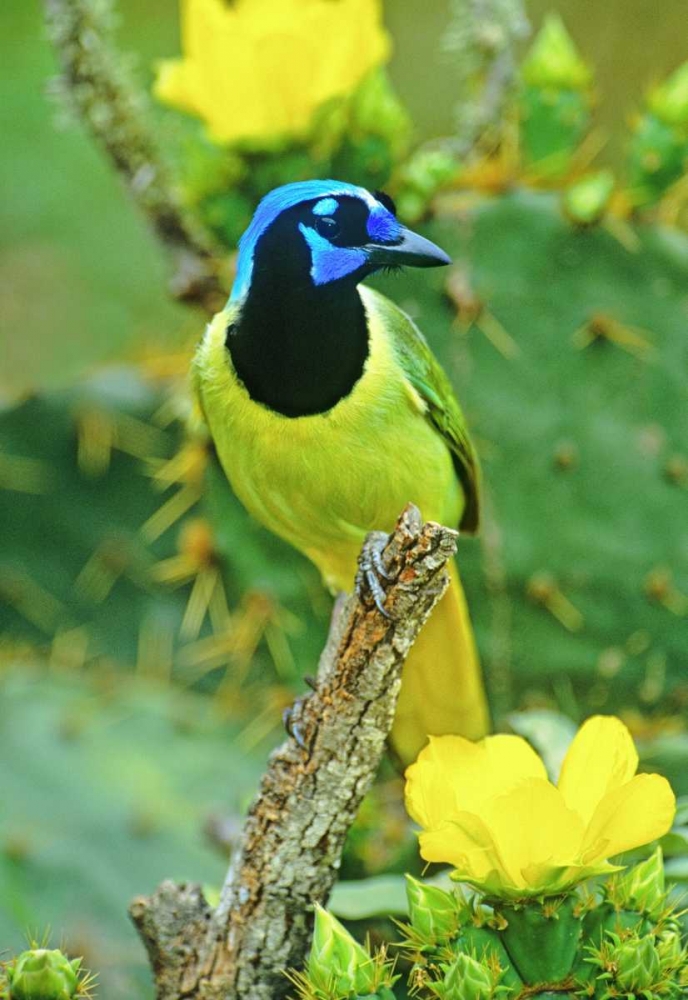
point(329, 414)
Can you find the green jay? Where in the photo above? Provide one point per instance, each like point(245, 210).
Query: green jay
point(329, 413)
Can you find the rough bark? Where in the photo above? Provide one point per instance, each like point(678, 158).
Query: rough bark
point(291, 846)
point(95, 85)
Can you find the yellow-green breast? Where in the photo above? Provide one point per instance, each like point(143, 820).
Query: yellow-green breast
point(322, 481)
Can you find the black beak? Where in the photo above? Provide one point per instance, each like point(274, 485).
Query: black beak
point(412, 250)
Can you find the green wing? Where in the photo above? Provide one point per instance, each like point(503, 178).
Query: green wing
point(427, 377)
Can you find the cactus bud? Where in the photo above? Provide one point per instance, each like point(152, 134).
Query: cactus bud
point(336, 962)
point(42, 974)
point(466, 979)
point(669, 101)
point(434, 913)
point(637, 963)
point(553, 60)
point(672, 954)
point(658, 152)
point(376, 110)
point(586, 201)
point(642, 887)
point(555, 100)
point(423, 175)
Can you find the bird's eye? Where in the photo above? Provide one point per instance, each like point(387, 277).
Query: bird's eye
point(327, 227)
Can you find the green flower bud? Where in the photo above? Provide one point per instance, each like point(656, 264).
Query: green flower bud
point(637, 963)
point(586, 201)
point(672, 954)
point(553, 60)
point(411, 206)
point(642, 887)
point(669, 101)
point(376, 110)
point(553, 124)
point(336, 962)
point(487, 943)
point(466, 979)
point(657, 158)
point(41, 974)
point(434, 913)
point(428, 170)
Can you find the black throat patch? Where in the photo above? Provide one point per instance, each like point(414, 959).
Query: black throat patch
point(298, 348)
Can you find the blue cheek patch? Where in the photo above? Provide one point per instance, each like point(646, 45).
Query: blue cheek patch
point(382, 226)
point(327, 206)
point(330, 263)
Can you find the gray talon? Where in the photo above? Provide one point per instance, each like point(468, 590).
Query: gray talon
point(291, 726)
point(371, 568)
point(377, 591)
point(376, 552)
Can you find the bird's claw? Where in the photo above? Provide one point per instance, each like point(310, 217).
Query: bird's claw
point(371, 568)
point(291, 725)
point(292, 713)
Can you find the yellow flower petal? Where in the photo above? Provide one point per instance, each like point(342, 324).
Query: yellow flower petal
point(258, 69)
point(453, 775)
point(532, 826)
point(467, 844)
point(601, 757)
point(638, 812)
point(488, 809)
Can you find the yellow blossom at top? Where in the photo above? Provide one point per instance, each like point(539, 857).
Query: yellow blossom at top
point(258, 69)
point(489, 809)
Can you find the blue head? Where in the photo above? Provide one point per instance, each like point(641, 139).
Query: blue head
point(325, 233)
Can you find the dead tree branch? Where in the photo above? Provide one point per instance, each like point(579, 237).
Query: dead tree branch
point(292, 841)
point(95, 84)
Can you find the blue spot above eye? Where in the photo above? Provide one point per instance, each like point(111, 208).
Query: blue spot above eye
point(330, 263)
point(326, 206)
point(382, 226)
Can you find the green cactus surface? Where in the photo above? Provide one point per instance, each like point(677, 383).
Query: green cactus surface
point(110, 786)
point(91, 526)
point(567, 348)
point(552, 947)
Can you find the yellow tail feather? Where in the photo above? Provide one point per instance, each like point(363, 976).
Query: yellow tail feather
point(441, 689)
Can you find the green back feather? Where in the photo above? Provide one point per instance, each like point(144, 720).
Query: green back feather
point(428, 378)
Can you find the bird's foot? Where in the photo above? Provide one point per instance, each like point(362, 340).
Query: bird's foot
point(292, 713)
point(370, 568)
point(291, 725)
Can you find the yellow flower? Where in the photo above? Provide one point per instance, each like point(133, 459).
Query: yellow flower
point(257, 69)
point(489, 809)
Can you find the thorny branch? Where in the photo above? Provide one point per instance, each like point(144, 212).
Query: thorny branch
point(292, 842)
point(95, 84)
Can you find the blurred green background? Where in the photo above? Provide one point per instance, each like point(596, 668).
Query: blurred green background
point(112, 778)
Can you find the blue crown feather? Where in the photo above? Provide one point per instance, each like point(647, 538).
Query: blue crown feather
point(288, 196)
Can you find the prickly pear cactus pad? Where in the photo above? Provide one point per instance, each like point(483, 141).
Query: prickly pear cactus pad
point(113, 788)
point(119, 545)
point(568, 349)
